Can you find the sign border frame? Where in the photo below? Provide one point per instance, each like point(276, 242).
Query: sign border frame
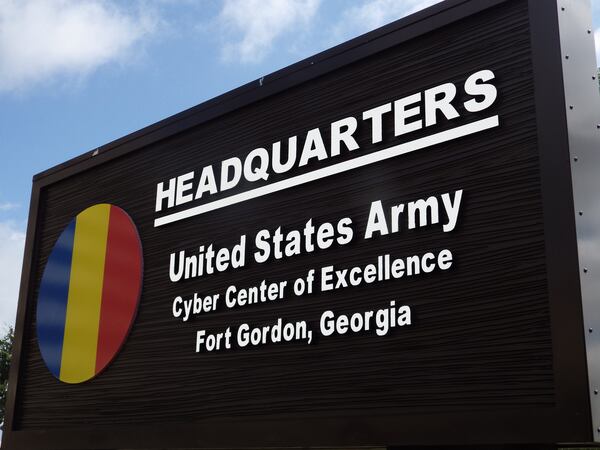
point(570, 421)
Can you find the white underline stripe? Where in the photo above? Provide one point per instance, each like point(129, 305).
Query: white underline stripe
point(381, 155)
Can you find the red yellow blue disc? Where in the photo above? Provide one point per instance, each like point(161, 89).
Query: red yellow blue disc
point(89, 293)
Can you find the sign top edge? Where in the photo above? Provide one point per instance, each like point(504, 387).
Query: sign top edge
point(304, 70)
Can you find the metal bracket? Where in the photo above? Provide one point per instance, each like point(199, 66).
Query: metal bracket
point(582, 102)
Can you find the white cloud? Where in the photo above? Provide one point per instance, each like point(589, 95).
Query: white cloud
point(252, 26)
point(371, 14)
point(43, 39)
point(7, 206)
point(12, 241)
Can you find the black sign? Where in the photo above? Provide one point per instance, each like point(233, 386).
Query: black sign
point(373, 247)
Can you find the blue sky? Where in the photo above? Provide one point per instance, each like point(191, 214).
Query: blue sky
point(77, 74)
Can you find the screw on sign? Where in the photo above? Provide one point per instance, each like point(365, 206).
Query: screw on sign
point(89, 293)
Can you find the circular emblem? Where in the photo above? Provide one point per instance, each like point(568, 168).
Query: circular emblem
point(89, 293)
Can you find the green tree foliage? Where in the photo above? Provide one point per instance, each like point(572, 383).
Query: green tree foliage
point(6, 343)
